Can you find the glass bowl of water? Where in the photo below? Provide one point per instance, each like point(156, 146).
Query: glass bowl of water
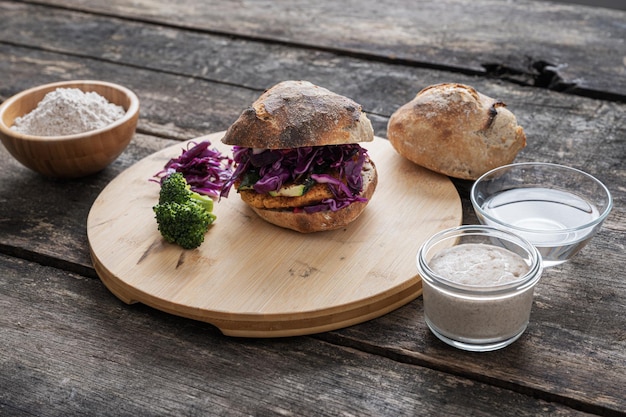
point(557, 208)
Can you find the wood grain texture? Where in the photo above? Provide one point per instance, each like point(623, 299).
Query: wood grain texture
point(81, 350)
point(562, 129)
point(517, 41)
point(70, 348)
point(250, 278)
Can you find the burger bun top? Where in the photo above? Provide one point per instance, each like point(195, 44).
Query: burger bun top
point(295, 114)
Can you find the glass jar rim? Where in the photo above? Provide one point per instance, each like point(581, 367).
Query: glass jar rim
point(529, 279)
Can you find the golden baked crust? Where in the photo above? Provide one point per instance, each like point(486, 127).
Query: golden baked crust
point(324, 220)
point(294, 114)
point(316, 194)
point(454, 130)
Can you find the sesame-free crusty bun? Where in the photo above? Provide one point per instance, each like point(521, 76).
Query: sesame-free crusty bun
point(298, 159)
point(323, 220)
point(295, 114)
point(454, 130)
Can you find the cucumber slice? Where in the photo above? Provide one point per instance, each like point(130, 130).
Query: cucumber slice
point(295, 190)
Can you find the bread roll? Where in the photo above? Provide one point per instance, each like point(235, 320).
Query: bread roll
point(454, 130)
point(293, 114)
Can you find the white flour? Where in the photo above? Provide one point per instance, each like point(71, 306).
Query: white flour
point(67, 111)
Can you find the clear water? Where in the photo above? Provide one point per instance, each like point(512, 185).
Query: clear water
point(545, 216)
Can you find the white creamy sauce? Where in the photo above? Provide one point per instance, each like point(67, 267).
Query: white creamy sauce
point(478, 264)
point(472, 317)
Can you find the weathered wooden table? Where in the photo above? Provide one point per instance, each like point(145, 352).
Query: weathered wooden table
point(69, 347)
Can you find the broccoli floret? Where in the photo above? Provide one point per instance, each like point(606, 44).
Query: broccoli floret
point(183, 216)
point(174, 189)
point(183, 224)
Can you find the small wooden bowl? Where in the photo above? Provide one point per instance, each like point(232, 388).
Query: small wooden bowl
point(70, 156)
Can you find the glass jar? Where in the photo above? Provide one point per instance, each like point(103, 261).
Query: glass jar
point(478, 286)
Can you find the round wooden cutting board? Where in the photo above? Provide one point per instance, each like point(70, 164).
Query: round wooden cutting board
point(253, 279)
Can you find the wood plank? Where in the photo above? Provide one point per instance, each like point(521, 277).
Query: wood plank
point(611, 4)
point(582, 54)
point(567, 331)
point(70, 348)
point(59, 234)
point(585, 133)
point(381, 88)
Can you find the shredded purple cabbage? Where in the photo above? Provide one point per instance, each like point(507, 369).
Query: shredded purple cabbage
point(205, 169)
point(276, 167)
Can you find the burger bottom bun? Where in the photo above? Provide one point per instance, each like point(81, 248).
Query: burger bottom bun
point(323, 220)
